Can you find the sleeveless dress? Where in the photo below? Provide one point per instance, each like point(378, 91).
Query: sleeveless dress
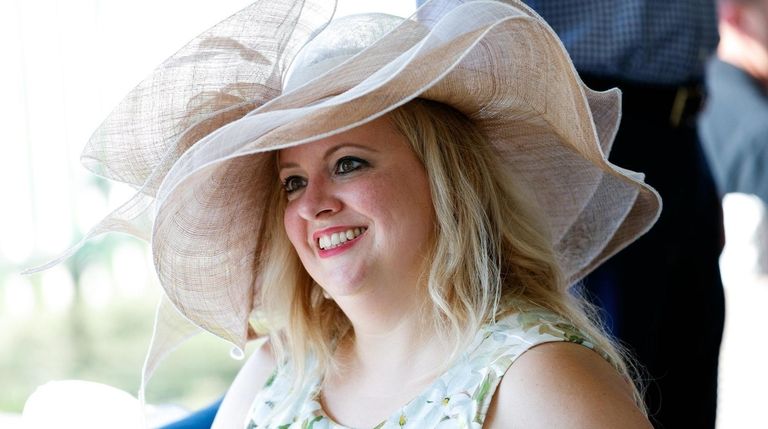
point(459, 398)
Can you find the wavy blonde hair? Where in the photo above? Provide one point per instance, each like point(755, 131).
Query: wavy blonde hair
point(490, 257)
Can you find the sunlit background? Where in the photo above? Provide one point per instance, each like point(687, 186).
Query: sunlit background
point(66, 64)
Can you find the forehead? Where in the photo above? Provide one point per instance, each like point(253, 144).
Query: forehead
point(378, 135)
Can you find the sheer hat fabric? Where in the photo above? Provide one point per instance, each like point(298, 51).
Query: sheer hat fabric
point(195, 137)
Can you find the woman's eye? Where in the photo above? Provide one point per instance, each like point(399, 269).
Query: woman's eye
point(293, 183)
point(349, 164)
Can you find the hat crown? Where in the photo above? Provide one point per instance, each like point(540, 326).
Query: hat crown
point(340, 40)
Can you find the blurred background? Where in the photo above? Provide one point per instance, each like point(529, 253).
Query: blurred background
point(66, 65)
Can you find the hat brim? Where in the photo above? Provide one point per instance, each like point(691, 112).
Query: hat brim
point(503, 67)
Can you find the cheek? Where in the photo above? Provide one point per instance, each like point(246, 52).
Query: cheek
point(403, 201)
point(293, 227)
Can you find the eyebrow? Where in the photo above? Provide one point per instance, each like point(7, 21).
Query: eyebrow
point(331, 150)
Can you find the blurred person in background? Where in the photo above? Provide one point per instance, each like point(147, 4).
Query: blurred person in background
point(663, 295)
point(734, 123)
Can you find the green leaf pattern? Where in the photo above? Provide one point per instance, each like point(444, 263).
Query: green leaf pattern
point(459, 398)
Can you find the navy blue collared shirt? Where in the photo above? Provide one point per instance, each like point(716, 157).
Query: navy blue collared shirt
point(652, 41)
point(648, 41)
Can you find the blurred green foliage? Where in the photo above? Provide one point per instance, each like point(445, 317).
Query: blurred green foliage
point(106, 345)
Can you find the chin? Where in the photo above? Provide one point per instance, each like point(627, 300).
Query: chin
point(344, 287)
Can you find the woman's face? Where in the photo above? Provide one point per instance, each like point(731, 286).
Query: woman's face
point(359, 211)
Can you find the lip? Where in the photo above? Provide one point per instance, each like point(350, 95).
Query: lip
point(323, 253)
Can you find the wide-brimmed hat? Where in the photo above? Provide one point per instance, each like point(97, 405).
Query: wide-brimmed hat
point(194, 138)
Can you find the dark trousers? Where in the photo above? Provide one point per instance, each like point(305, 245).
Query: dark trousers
point(663, 294)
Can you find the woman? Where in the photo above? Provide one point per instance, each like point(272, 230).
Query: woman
point(411, 237)
point(398, 205)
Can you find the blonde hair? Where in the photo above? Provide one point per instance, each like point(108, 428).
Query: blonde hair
point(490, 256)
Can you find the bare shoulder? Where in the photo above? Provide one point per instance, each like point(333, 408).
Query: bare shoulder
point(562, 384)
point(248, 382)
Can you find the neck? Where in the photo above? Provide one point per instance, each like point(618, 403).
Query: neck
point(391, 357)
point(389, 344)
point(390, 337)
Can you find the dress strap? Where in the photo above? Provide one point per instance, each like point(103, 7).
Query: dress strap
point(507, 340)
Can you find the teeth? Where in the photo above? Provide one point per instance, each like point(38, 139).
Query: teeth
point(337, 238)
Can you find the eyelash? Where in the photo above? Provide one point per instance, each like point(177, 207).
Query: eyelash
point(289, 185)
point(357, 164)
point(345, 165)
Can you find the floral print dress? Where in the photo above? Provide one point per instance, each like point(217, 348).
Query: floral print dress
point(459, 398)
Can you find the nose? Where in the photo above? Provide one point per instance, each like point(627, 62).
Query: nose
point(318, 200)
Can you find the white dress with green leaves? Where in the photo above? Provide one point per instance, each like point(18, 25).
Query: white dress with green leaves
point(459, 398)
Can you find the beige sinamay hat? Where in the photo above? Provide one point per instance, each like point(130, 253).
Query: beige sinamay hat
point(193, 136)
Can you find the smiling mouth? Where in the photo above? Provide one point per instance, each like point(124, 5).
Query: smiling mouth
point(330, 241)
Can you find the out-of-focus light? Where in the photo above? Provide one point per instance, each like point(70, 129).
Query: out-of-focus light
point(91, 207)
point(119, 193)
point(16, 217)
point(58, 288)
point(19, 300)
point(96, 286)
point(738, 262)
point(45, 128)
point(16, 227)
point(130, 269)
point(81, 404)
